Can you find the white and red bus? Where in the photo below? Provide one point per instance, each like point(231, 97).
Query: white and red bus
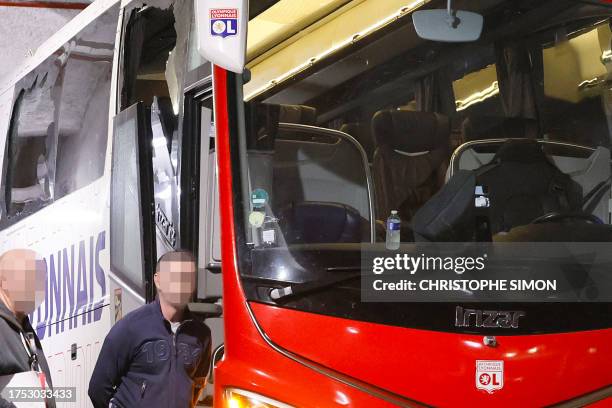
point(276, 149)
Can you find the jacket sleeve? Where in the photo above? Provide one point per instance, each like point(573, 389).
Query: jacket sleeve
point(6, 404)
point(201, 374)
point(205, 360)
point(112, 364)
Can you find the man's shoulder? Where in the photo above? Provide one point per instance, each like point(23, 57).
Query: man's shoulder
point(199, 329)
point(7, 325)
point(8, 317)
point(135, 316)
point(8, 333)
point(143, 311)
point(203, 326)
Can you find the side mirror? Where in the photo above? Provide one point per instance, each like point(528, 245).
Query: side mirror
point(447, 25)
point(221, 27)
point(206, 310)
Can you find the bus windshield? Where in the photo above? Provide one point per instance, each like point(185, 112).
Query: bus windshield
point(340, 134)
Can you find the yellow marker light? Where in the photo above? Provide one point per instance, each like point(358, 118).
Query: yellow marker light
point(234, 403)
point(236, 398)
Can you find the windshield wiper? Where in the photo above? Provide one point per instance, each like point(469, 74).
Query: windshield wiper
point(315, 285)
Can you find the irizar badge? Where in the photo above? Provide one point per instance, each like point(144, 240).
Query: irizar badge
point(489, 375)
point(224, 22)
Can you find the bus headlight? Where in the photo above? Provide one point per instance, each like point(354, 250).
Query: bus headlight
point(236, 398)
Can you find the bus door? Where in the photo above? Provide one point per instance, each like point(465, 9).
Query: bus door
point(132, 236)
point(149, 111)
point(162, 72)
point(199, 226)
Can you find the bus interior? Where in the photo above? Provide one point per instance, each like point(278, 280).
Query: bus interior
point(389, 121)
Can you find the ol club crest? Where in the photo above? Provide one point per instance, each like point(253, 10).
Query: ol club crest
point(223, 22)
point(489, 375)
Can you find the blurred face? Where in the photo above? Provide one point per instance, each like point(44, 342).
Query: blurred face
point(176, 279)
point(23, 278)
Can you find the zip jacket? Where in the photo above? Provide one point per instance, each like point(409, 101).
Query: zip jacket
point(142, 363)
point(15, 354)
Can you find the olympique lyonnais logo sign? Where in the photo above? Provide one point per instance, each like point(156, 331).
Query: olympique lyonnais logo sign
point(224, 22)
point(489, 375)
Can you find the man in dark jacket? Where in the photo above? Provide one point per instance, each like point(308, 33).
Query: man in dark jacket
point(159, 354)
point(22, 289)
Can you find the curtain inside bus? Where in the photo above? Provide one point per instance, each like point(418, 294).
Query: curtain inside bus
point(515, 79)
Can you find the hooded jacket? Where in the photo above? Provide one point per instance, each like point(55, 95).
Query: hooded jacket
point(13, 355)
point(142, 363)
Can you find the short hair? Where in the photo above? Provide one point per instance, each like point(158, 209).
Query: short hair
point(179, 255)
point(19, 253)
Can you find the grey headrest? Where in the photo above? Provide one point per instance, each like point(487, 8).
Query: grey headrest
point(411, 131)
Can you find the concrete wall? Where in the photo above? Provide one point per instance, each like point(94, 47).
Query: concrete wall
point(23, 29)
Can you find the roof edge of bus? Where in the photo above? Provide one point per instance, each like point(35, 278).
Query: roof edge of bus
point(59, 38)
point(305, 24)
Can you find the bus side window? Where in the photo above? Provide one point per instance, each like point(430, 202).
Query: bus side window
point(83, 122)
point(58, 133)
point(29, 153)
point(576, 92)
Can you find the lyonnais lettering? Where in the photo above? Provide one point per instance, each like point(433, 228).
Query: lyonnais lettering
point(76, 288)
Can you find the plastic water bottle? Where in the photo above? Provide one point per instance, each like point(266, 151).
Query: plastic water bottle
point(393, 230)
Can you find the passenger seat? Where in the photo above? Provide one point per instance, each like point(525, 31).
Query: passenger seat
point(363, 134)
point(311, 222)
point(522, 184)
point(410, 160)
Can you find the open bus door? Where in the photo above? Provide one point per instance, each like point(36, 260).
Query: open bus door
point(164, 185)
point(140, 227)
point(199, 226)
point(132, 234)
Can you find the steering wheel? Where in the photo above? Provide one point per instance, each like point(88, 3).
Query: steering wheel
point(558, 216)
